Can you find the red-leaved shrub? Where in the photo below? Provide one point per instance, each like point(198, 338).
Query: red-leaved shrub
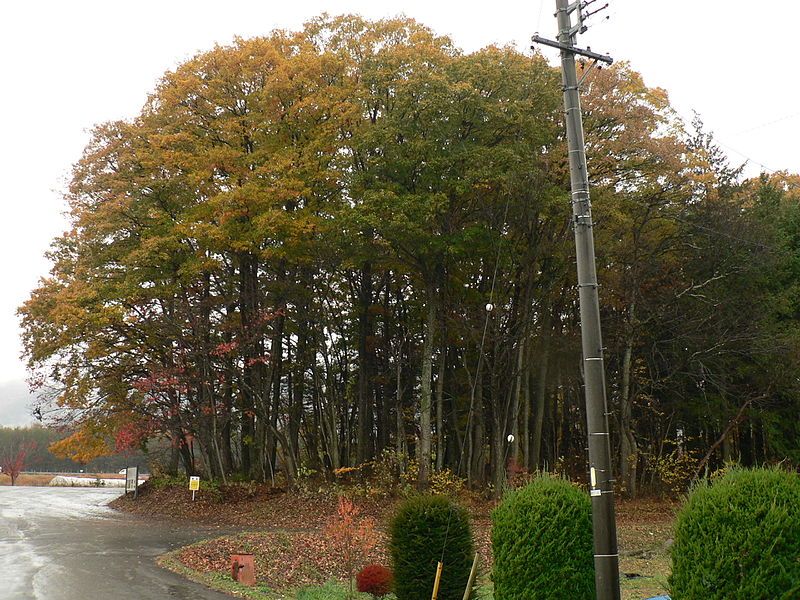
point(352, 537)
point(375, 580)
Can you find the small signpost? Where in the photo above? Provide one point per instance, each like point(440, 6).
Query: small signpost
point(132, 481)
point(194, 485)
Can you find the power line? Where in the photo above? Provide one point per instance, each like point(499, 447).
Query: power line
point(768, 123)
point(539, 19)
point(745, 156)
point(489, 308)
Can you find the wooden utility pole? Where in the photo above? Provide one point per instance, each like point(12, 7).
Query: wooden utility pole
point(601, 483)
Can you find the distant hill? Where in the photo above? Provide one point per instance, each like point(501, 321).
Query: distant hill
point(15, 404)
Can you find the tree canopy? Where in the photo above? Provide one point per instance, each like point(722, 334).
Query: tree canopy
point(315, 247)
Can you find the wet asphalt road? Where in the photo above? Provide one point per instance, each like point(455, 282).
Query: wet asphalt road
point(65, 544)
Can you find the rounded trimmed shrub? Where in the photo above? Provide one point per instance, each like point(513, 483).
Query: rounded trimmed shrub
point(739, 537)
point(375, 580)
point(542, 543)
point(417, 539)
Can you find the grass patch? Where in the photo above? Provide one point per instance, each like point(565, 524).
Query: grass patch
point(651, 576)
point(332, 590)
point(214, 580)
point(652, 581)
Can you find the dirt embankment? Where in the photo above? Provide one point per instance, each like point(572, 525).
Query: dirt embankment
point(253, 506)
point(260, 506)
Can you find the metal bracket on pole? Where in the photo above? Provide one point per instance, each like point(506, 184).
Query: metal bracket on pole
point(537, 39)
point(592, 12)
point(592, 65)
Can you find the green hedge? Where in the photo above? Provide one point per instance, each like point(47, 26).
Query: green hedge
point(739, 537)
point(417, 539)
point(542, 543)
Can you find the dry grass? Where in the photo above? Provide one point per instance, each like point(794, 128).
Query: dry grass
point(43, 479)
point(29, 479)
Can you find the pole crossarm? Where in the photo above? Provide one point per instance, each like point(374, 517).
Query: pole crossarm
point(537, 39)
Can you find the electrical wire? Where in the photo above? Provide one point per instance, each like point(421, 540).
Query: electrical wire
point(768, 123)
point(743, 155)
point(478, 366)
point(539, 18)
point(719, 232)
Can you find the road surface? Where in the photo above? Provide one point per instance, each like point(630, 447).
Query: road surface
point(66, 544)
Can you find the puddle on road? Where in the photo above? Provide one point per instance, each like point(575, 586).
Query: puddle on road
point(56, 503)
point(23, 510)
point(66, 544)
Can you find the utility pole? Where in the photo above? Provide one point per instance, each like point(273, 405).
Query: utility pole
point(601, 488)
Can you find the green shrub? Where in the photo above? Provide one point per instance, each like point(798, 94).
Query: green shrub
point(739, 537)
point(160, 482)
point(542, 542)
point(417, 540)
point(210, 489)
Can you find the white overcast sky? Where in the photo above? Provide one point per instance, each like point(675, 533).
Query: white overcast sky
point(67, 65)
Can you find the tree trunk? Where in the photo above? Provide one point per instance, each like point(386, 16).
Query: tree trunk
point(525, 429)
point(299, 387)
point(400, 440)
point(628, 446)
point(364, 447)
point(541, 399)
point(425, 433)
point(440, 439)
point(499, 408)
point(276, 376)
point(251, 388)
point(475, 476)
point(515, 402)
point(208, 387)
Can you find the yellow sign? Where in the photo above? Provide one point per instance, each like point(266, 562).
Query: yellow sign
point(194, 483)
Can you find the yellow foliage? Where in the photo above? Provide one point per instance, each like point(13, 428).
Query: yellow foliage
point(83, 446)
point(441, 483)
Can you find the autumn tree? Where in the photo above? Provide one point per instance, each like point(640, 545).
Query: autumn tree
point(315, 246)
point(14, 457)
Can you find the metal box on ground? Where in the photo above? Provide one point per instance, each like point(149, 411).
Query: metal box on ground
point(243, 569)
